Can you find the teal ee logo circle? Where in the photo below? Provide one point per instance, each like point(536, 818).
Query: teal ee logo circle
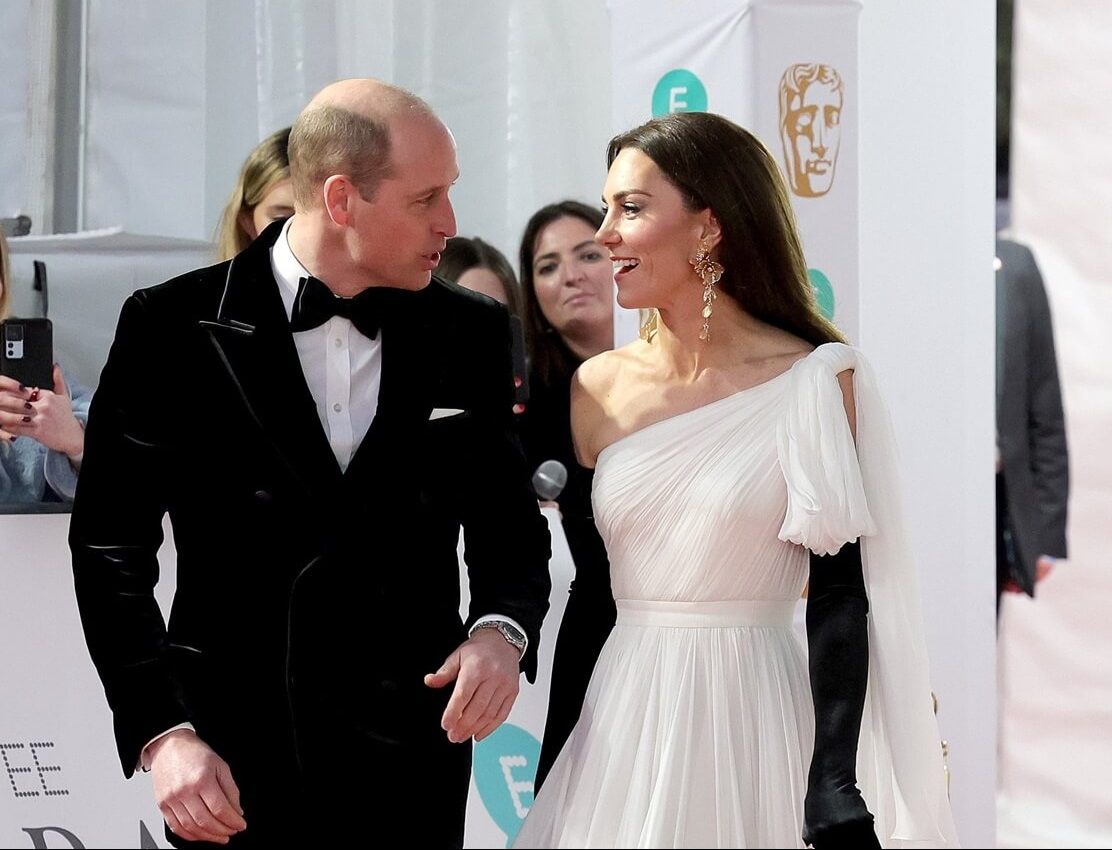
point(824, 292)
point(504, 767)
point(679, 91)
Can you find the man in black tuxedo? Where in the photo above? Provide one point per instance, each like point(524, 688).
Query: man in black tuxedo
point(317, 446)
point(1032, 475)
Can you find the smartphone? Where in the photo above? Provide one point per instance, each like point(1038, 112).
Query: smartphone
point(27, 351)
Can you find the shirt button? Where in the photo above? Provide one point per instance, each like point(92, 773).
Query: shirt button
point(339, 342)
point(337, 407)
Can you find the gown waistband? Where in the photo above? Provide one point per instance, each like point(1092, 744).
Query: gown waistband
point(730, 613)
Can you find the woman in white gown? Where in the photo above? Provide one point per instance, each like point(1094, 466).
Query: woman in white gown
point(736, 435)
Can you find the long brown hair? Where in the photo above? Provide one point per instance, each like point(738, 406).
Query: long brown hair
point(550, 357)
point(716, 164)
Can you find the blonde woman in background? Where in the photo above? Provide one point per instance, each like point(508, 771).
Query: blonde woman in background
point(262, 194)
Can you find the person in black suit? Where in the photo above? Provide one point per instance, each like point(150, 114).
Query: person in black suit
point(568, 289)
point(317, 446)
point(1032, 474)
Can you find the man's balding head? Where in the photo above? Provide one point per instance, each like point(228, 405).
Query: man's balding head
point(345, 129)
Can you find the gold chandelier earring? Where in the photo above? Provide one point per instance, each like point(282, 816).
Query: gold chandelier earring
point(710, 273)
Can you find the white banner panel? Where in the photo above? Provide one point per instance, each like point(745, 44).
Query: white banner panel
point(927, 80)
point(787, 72)
point(504, 764)
point(806, 112)
point(681, 56)
point(672, 56)
point(60, 778)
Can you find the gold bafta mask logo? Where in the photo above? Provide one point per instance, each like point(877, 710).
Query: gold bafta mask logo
point(810, 126)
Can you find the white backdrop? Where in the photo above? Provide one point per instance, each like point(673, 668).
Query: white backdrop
point(178, 92)
point(729, 58)
point(14, 118)
point(927, 126)
point(88, 277)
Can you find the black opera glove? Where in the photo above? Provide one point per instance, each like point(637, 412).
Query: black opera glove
point(834, 812)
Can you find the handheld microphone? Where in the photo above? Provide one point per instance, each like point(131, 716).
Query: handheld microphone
point(549, 480)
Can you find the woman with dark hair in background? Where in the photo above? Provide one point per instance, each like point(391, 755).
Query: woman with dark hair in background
point(42, 429)
point(480, 267)
point(741, 453)
point(568, 288)
point(262, 194)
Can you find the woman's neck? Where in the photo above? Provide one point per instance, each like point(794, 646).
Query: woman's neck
point(733, 334)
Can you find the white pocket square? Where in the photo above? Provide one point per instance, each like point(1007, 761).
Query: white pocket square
point(441, 412)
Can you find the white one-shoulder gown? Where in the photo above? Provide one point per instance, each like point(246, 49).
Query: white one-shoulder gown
point(697, 727)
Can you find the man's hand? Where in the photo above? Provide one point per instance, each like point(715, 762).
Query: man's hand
point(1043, 566)
point(194, 789)
point(486, 671)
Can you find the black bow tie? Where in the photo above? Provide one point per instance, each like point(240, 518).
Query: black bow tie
point(315, 304)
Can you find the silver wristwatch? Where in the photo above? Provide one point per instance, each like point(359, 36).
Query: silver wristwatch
point(510, 632)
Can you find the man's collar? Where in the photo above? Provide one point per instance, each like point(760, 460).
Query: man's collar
point(288, 270)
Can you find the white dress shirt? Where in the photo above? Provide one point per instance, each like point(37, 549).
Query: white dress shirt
point(342, 367)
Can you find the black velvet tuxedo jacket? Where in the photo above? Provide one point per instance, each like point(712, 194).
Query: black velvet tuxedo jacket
point(310, 602)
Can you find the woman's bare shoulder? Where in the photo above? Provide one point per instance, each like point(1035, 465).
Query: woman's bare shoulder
point(597, 390)
point(597, 375)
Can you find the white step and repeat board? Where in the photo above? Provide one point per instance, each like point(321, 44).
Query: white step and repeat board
point(63, 786)
point(60, 779)
point(785, 71)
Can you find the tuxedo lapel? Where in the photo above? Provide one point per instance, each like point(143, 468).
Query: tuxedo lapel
point(252, 338)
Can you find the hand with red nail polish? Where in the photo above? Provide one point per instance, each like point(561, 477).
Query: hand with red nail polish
point(15, 400)
point(43, 415)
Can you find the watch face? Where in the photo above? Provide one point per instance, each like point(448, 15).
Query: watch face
point(512, 633)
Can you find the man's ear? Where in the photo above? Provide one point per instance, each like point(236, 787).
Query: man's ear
point(339, 193)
